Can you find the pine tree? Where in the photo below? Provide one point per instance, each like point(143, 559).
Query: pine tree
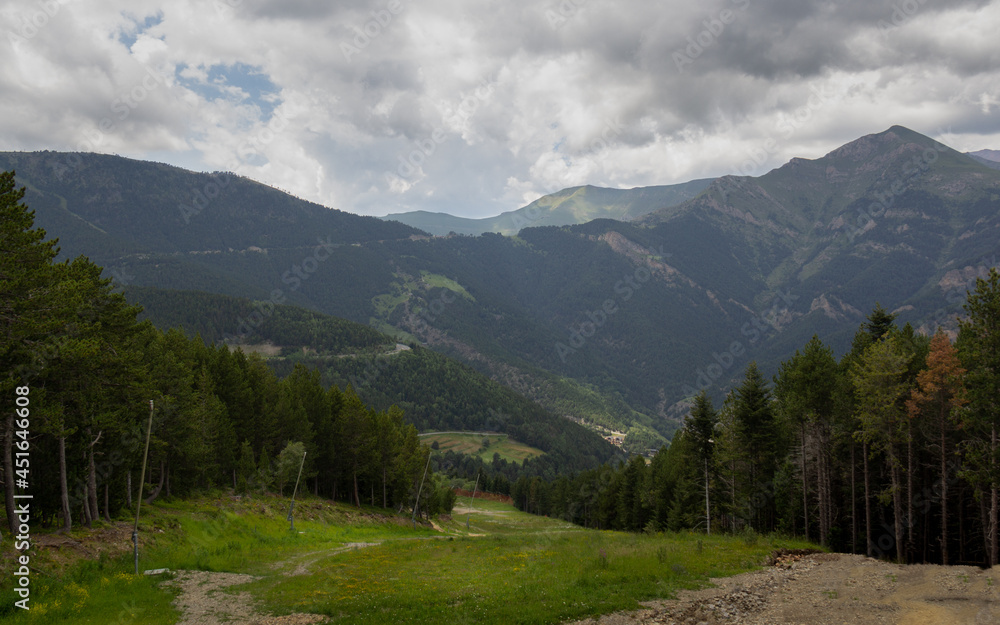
point(246, 468)
point(760, 438)
point(805, 388)
point(700, 428)
point(979, 347)
point(27, 304)
point(940, 395)
point(880, 387)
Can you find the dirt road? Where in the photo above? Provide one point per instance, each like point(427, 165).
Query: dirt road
point(833, 589)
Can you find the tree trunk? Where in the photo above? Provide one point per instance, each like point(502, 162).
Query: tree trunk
point(868, 502)
point(92, 478)
point(910, 522)
point(854, 504)
point(128, 488)
point(944, 487)
point(64, 487)
point(961, 523)
point(897, 506)
point(385, 499)
point(8, 472)
point(87, 518)
point(107, 499)
point(993, 498)
point(805, 484)
point(733, 490)
point(708, 510)
point(357, 497)
point(156, 493)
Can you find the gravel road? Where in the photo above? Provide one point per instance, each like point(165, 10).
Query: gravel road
point(833, 589)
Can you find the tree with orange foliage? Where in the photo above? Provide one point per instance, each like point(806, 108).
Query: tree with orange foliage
point(939, 395)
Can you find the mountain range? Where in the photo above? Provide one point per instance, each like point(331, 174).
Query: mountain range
point(613, 323)
point(575, 205)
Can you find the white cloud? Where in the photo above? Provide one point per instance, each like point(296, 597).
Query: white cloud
point(496, 104)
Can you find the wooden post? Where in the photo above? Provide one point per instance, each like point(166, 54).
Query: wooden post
point(142, 479)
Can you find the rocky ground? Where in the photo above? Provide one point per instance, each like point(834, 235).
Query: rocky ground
point(833, 589)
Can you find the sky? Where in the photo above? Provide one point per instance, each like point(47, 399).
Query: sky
point(475, 107)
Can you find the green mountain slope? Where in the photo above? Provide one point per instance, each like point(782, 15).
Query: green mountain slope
point(616, 323)
point(117, 206)
point(575, 205)
point(435, 392)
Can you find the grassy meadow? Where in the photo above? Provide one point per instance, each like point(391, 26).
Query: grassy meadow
point(505, 567)
point(471, 443)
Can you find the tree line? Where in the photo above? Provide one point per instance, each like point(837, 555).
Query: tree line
point(221, 418)
point(893, 450)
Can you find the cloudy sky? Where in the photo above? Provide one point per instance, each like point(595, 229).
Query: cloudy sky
point(474, 107)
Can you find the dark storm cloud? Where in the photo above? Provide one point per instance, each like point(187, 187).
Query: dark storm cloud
point(501, 101)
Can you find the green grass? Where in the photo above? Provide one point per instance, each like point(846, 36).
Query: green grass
point(212, 534)
point(436, 280)
point(472, 444)
point(525, 570)
point(506, 567)
point(94, 591)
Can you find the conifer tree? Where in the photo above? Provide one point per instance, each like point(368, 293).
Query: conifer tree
point(940, 395)
point(979, 347)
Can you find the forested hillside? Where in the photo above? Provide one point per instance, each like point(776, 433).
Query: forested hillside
point(81, 376)
point(616, 324)
point(433, 391)
point(889, 451)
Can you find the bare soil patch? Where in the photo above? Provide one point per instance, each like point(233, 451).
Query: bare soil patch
point(202, 601)
point(832, 589)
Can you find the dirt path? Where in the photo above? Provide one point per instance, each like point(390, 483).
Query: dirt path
point(203, 600)
point(833, 589)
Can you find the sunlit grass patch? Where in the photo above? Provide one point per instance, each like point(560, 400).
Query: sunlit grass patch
point(530, 570)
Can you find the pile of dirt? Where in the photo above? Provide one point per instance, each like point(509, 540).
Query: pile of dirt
point(63, 549)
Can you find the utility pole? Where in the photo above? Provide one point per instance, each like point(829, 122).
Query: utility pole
point(708, 512)
point(474, 491)
point(417, 503)
point(142, 480)
point(295, 490)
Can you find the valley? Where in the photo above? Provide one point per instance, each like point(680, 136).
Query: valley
point(366, 566)
point(756, 264)
point(480, 444)
point(572, 313)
